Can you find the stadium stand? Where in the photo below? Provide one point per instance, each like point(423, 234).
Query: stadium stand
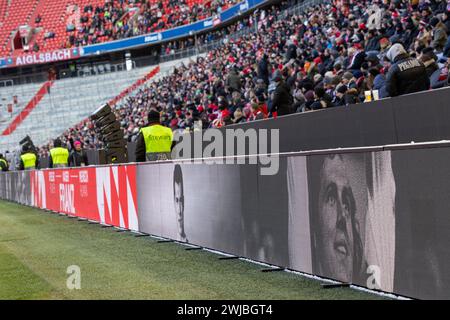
point(65, 106)
point(67, 23)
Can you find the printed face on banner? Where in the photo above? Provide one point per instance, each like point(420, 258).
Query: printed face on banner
point(178, 198)
point(352, 218)
point(338, 232)
point(198, 204)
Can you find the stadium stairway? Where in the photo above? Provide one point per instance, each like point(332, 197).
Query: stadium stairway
point(70, 101)
point(28, 108)
point(24, 93)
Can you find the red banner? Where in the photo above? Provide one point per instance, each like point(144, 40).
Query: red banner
point(104, 194)
point(40, 57)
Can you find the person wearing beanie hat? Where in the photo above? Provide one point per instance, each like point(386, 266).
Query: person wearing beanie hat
point(153, 117)
point(339, 97)
point(347, 77)
point(29, 160)
point(429, 60)
point(154, 142)
point(434, 21)
point(78, 157)
point(317, 78)
point(406, 75)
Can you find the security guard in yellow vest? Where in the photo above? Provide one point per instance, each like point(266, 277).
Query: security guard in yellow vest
point(154, 141)
point(3, 163)
point(59, 156)
point(28, 159)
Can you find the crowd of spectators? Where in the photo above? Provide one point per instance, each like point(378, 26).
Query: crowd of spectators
point(328, 56)
point(118, 19)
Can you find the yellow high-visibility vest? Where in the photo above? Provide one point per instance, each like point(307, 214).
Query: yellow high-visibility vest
point(158, 140)
point(60, 157)
point(5, 162)
point(29, 160)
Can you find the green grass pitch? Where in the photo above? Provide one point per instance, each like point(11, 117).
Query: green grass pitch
point(37, 247)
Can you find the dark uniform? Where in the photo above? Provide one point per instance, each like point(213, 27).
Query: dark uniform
point(406, 75)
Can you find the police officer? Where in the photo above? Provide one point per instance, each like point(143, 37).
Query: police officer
point(59, 156)
point(407, 74)
point(28, 159)
point(154, 141)
point(3, 163)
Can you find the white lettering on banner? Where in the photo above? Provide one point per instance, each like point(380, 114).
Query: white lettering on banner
point(38, 190)
point(84, 177)
point(152, 38)
point(243, 6)
point(43, 57)
point(109, 195)
point(66, 176)
point(208, 23)
point(67, 198)
point(84, 191)
point(51, 176)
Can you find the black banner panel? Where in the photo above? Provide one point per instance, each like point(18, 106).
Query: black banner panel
point(422, 209)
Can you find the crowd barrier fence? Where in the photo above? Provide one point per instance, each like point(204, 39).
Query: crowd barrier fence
point(375, 217)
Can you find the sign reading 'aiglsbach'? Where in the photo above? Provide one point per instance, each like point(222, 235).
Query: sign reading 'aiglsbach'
point(43, 57)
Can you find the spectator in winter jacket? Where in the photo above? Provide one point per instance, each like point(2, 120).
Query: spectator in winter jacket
point(263, 69)
point(429, 59)
point(282, 99)
point(339, 97)
point(234, 81)
point(406, 75)
point(439, 34)
point(78, 157)
point(373, 41)
point(379, 82)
